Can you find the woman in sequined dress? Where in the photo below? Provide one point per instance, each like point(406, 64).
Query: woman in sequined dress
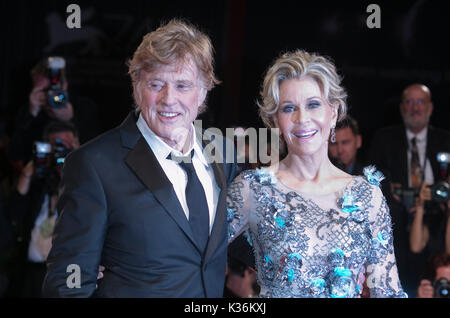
point(316, 231)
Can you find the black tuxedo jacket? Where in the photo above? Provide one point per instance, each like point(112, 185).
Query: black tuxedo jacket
point(118, 209)
point(389, 151)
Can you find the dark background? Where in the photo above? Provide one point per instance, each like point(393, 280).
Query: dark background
point(376, 64)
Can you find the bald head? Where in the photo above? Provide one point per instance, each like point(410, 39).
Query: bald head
point(416, 88)
point(416, 107)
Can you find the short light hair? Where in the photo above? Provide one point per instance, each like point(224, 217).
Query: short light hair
point(296, 65)
point(173, 43)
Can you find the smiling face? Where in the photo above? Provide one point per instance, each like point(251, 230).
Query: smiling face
point(416, 107)
point(304, 117)
point(169, 99)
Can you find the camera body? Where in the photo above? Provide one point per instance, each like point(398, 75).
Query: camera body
point(441, 288)
point(48, 159)
point(42, 157)
point(57, 97)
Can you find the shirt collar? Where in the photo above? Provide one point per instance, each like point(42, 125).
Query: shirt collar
point(161, 149)
point(420, 137)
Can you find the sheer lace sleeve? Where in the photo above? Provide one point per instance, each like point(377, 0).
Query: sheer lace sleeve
point(238, 206)
point(382, 274)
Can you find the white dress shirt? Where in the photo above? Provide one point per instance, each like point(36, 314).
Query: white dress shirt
point(34, 255)
point(421, 142)
point(177, 176)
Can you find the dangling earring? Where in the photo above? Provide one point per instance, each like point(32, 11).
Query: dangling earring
point(333, 135)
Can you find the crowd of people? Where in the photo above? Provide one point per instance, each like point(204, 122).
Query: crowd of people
point(144, 211)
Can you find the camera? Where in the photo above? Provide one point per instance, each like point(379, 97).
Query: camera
point(42, 153)
point(57, 97)
point(440, 191)
point(441, 288)
point(48, 159)
point(60, 153)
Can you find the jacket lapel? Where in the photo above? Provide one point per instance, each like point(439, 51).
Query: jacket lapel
point(220, 217)
point(143, 162)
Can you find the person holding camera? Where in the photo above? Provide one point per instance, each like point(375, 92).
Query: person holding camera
point(408, 155)
point(436, 285)
point(33, 206)
point(49, 100)
point(431, 224)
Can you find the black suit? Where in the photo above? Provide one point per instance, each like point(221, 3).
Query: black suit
point(389, 151)
point(119, 209)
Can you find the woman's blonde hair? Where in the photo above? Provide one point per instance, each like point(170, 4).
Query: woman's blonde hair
point(296, 65)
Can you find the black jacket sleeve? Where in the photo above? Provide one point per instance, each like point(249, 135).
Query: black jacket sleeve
point(79, 232)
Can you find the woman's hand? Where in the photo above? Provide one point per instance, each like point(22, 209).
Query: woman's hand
point(425, 289)
point(424, 194)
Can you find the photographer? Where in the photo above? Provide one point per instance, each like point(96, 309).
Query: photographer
point(436, 285)
point(408, 153)
point(49, 100)
point(33, 206)
point(430, 228)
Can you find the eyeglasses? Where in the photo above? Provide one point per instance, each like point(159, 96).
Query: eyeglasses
point(411, 101)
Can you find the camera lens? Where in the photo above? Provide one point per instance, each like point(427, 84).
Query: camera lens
point(442, 288)
point(440, 192)
point(57, 98)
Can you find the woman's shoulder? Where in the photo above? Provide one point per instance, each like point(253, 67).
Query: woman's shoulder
point(371, 178)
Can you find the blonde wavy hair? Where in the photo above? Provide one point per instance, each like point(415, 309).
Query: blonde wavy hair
point(296, 65)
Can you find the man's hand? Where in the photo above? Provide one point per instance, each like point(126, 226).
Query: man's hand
point(64, 114)
point(100, 272)
point(425, 289)
point(38, 98)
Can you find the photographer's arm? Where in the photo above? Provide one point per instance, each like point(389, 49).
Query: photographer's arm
point(419, 235)
point(23, 184)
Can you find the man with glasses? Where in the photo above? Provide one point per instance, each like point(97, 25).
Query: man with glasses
point(408, 154)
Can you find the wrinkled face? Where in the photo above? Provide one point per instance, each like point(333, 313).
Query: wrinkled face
point(169, 98)
point(304, 117)
point(346, 146)
point(416, 107)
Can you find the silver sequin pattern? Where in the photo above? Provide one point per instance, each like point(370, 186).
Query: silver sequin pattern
point(305, 250)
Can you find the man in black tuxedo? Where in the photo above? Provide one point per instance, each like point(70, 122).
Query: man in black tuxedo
point(156, 224)
point(408, 155)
